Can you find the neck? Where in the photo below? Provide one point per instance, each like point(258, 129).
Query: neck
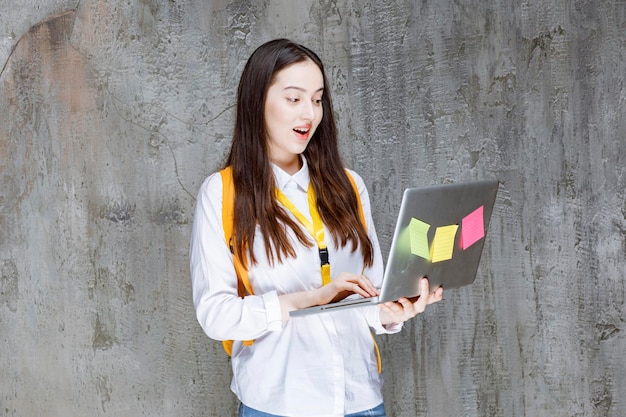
point(291, 166)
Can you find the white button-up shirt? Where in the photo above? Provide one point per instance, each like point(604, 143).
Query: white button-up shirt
point(318, 365)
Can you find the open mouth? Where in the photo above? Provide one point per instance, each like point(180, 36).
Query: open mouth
point(302, 132)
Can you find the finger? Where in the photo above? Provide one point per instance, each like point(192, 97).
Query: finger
point(405, 309)
point(423, 300)
point(392, 307)
point(367, 285)
point(435, 296)
point(388, 313)
point(406, 306)
point(356, 288)
point(360, 285)
point(385, 306)
point(348, 284)
point(411, 309)
point(362, 289)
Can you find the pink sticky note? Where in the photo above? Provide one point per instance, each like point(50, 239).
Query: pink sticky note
point(472, 228)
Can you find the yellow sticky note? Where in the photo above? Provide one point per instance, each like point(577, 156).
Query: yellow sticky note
point(443, 243)
point(419, 238)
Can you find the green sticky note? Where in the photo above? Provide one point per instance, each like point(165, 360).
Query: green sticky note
point(419, 238)
point(443, 243)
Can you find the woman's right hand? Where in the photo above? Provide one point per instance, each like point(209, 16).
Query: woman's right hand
point(344, 285)
point(340, 287)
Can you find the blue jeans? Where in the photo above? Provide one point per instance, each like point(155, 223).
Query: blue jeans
point(245, 411)
point(372, 412)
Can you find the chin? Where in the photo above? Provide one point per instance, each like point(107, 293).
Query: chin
point(300, 147)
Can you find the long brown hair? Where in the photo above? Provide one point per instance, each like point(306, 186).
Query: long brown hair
point(255, 201)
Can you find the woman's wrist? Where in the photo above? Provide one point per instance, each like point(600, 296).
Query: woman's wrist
point(299, 300)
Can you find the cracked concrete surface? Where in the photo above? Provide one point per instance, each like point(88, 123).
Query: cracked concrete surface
point(113, 112)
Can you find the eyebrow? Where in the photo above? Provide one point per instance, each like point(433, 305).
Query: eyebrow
point(293, 87)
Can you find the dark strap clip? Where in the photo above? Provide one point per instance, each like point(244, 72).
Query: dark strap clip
point(324, 256)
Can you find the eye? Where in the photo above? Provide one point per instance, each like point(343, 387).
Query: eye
point(317, 101)
point(293, 99)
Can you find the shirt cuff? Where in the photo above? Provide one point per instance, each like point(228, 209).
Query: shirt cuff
point(373, 318)
point(273, 311)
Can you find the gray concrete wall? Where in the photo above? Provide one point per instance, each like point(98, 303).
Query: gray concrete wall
point(112, 113)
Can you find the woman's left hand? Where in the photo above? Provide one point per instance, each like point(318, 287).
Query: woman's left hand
point(404, 309)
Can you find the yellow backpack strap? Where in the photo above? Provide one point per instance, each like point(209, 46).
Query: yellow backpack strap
point(362, 215)
point(241, 265)
point(314, 227)
point(379, 361)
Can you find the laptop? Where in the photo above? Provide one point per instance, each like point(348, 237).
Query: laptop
point(440, 233)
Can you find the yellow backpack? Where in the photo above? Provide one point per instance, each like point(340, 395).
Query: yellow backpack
point(241, 265)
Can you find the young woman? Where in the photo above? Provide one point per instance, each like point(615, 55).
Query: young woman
point(285, 165)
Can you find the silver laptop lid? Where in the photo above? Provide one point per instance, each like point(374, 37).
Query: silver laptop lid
point(440, 233)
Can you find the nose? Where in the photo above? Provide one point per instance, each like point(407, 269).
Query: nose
point(308, 110)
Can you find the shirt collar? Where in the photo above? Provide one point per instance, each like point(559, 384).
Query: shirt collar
point(300, 178)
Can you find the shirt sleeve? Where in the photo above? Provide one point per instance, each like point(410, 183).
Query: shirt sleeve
point(373, 319)
point(375, 272)
point(220, 311)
